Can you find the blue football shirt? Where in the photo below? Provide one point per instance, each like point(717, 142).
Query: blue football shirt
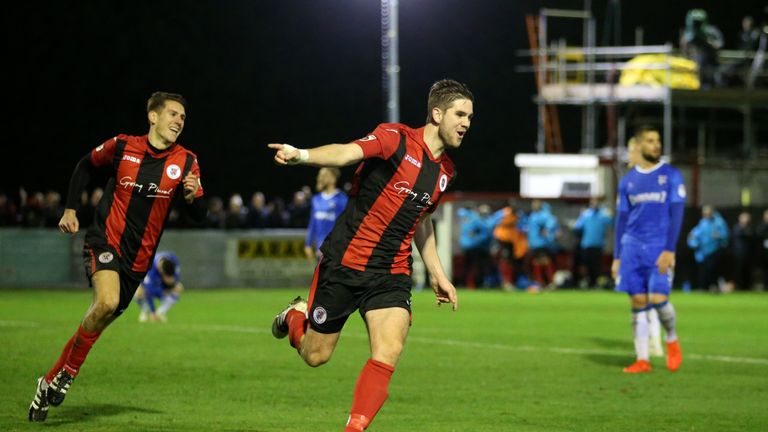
point(153, 281)
point(650, 207)
point(326, 208)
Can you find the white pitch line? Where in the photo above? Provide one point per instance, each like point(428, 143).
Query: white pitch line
point(450, 342)
point(6, 323)
point(497, 346)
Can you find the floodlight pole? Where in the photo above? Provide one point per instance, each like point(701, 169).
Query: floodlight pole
point(389, 59)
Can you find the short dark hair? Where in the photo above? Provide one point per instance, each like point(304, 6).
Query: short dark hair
point(335, 172)
point(642, 129)
point(156, 102)
point(167, 267)
point(444, 92)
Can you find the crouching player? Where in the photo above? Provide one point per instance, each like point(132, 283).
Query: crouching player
point(162, 282)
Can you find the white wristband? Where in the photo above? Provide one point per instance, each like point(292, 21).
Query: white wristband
point(303, 155)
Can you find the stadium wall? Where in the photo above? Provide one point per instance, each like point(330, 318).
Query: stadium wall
point(209, 258)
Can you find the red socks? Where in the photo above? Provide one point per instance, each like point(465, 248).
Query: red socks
point(370, 394)
point(62, 358)
point(297, 326)
point(74, 353)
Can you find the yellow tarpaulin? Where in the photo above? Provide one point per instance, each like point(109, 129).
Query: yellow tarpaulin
point(650, 69)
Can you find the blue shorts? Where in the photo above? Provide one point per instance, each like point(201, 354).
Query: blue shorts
point(638, 273)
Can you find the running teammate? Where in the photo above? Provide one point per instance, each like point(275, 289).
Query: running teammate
point(651, 200)
point(366, 262)
point(163, 283)
point(146, 174)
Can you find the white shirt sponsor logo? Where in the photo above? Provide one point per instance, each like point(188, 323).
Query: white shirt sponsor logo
point(173, 171)
point(100, 148)
point(659, 197)
point(404, 188)
point(412, 160)
point(130, 158)
point(153, 190)
point(325, 215)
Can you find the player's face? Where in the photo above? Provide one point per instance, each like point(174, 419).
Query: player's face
point(324, 179)
point(650, 146)
point(169, 122)
point(454, 122)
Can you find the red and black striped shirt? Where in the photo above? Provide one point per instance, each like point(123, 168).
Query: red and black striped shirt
point(139, 194)
point(397, 182)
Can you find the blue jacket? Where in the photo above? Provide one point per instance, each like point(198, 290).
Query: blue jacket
point(476, 230)
point(709, 235)
point(542, 228)
point(593, 224)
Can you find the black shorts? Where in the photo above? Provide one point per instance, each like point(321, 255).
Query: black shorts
point(101, 256)
point(337, 291)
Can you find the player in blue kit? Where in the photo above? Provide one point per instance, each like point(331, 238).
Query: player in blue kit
point(162, 282)
point(651, 201)
point(327, 206)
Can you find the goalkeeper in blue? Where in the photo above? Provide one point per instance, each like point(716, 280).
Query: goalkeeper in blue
point(650, 205)
point(162, 283)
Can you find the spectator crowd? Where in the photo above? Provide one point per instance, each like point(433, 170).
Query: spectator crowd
point(511, 247)
point(533, 250)
point(41, 210)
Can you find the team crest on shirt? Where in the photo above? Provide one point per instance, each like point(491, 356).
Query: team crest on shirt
point(173, 171)
point(443, 182)
point(106, 257)
point(662, 180)
point(319, 315)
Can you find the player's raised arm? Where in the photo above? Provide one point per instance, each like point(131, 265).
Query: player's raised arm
point(331, 155)
point(424, 237)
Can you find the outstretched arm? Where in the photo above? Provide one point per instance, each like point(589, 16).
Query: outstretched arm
point(445, 292)
point(331, 155)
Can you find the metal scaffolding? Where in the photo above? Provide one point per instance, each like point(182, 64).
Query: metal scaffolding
point(599, 69)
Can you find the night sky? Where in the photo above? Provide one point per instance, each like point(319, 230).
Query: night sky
point(302, 72)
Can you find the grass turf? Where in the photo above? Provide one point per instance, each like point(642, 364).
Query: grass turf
point(503, 362)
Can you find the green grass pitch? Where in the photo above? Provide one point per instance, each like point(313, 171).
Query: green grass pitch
point(503, 362)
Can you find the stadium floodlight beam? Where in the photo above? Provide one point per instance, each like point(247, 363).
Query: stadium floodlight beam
point(389, 58)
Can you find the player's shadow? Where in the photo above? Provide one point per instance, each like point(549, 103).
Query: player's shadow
point(610, 343)
point(78, 414)
point(611, 359)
